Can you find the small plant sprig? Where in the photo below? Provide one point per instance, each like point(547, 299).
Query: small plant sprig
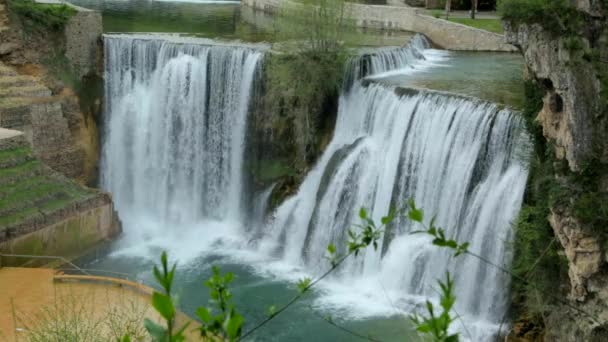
point(163, 304)
point(438, 234)
point(227, 323)
point(437, 326)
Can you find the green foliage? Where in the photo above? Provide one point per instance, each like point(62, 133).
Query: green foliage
point(437, 326)
point(53, 17)
point(438, 234)
point(304, 284)
point(556, 16)
point(222, 320)
point(163, 304)
point(303, 80)
point(369, 233)
point(538, 260)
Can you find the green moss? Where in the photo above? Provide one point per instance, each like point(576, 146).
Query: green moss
point(270, 170)
point(45, 16)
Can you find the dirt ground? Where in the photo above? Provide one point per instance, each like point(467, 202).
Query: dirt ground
point(39, 304)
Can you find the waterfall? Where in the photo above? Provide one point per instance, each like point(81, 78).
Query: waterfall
point(416, 54)
point(175, 121)
point(461, 159)
point(174, 130)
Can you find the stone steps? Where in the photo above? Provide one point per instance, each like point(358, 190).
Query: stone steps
point(17, 81)
point(7, 71)
point(35, 90)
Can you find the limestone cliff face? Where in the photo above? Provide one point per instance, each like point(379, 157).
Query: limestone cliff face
point(574, 122)
point(572, 102)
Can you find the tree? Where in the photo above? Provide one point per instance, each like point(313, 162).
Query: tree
point(473, 8)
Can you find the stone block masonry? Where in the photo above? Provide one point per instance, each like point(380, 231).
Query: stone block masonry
point(82, 36)
point(27, 106)
point(443, 33)
point(43, 212)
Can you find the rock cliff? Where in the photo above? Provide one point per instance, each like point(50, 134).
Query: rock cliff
point(572, 70)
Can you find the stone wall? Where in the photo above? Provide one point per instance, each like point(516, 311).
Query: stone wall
point(43, 212)
point(75, 231)
point(443, 33)
point(82, 36)
point(28, 106)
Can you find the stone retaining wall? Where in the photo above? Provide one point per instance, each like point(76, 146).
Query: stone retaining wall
point(443, 33)
point(83, 36)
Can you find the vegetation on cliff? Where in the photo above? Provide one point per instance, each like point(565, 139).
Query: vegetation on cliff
point(561, 231)
point(302, 81)
point(29, 189)
point(47, 16)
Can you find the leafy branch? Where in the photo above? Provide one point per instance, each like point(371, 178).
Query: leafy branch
point(434, 325)
point(163, 304)
point(439, 239)
point(370, 234)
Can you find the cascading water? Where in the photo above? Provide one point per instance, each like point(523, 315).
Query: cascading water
point(414, 56)
point(175, 128)
point(173, 156)
point(461, 159)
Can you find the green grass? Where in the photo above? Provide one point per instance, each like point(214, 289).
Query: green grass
point(15, 153)
point(52, 17)
point(20, 169)
point(23, 195)
point(492, 25)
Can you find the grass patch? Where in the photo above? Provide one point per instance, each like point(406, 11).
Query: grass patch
point(30, 195)
point(47, 16)
point(18, 217)
point(15, 153)
point(23, 168)
point(492, 25)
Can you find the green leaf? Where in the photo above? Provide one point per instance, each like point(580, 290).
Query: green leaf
point(416, 215)
point(362, 213)
point(228, 277)
point(272, 310)
point(331, 248)
point(203, 313)
point(179, 335)
point(163, 305)
point(452, 338)
point(157, 332)
point(303, 284)
point(126, 338)
point(234, 326)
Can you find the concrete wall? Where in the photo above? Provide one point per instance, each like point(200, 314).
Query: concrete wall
point(445, 34)
point(70, 237)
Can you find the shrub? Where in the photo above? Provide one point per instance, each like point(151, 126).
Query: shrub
point(53, 17)
point(556, 16)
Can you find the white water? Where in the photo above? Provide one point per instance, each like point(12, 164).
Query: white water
point(173, 156)
point(459, 158)
point(175, 128)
